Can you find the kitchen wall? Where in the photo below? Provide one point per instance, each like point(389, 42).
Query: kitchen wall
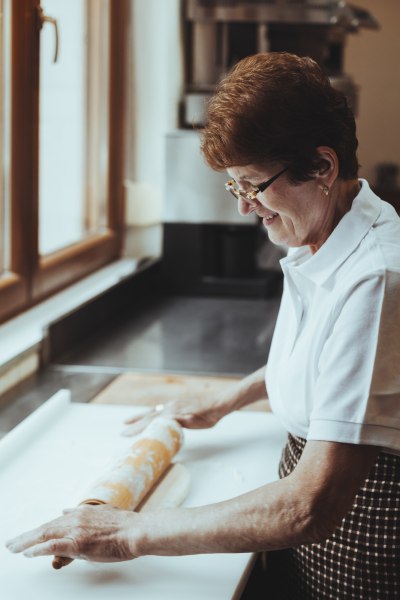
point(156, 79)
point(155, 90)
point(372, 58)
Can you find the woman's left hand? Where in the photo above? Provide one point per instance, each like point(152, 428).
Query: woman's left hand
point(95, 533)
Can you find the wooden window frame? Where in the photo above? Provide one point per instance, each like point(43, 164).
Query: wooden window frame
point(34, 277)
point(14, 286)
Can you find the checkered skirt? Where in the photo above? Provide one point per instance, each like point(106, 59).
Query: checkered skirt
point(362, 558)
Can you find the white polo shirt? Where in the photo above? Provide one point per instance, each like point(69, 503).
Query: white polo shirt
point(333, 371)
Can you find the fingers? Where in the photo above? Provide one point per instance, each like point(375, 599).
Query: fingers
point(98, 533)
point(187, 420)
point(138, 423)
point(184, 415)
point(26, 540)
point(31, 545)
point(137, 427)
point(59, 547)
point(153, 411)
point(133, 419)
point(53, 530)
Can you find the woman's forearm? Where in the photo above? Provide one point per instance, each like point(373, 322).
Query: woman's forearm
point(269, 518)
point(304, 507)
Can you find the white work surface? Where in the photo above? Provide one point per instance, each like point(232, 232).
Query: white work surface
point(47, 461)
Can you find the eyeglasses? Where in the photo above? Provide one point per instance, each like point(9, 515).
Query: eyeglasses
point(231, 186)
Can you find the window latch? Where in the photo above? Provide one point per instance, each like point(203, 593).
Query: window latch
point(42, 19)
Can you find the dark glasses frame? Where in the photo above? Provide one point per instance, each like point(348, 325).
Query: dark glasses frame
point(251, 196)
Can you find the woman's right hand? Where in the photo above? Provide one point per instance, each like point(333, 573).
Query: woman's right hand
point(193, 413)
point(204, 410)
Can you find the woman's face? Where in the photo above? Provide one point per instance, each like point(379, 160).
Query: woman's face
point(293, 215)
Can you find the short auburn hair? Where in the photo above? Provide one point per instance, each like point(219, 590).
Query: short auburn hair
point(279, 107)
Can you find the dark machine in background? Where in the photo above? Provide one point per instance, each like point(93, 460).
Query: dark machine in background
point(208, 247)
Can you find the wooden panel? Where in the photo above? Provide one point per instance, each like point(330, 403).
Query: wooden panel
point(14, 287)
point(13, 294)
point(70, 264)
point(151, 389)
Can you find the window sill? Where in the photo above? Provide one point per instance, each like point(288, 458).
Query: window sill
point(27, 331)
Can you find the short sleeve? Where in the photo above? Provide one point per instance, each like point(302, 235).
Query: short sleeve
point(357, 393)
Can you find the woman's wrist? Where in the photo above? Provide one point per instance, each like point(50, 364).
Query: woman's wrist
point(247, 390)
point(148, 533)
point(171, 532)
point(135, 534)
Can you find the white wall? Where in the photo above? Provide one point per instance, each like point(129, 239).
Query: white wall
point(157, 83)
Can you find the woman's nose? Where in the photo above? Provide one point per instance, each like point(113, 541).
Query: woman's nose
point(245, 207)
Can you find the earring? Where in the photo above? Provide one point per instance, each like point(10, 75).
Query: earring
point(325, 189)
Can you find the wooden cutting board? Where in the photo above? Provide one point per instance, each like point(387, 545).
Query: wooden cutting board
point(144, 389)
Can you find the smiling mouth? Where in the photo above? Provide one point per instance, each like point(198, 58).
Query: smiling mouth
point(269, 219)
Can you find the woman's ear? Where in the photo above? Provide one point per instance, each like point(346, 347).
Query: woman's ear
point(329, 167)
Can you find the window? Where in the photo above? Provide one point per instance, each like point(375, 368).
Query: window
point(73, 124)
point(4, 133)
point(61, 130)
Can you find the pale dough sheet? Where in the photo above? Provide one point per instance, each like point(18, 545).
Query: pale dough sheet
point(46, 462)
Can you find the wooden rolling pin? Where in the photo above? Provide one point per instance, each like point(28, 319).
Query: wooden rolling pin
point(133, 475)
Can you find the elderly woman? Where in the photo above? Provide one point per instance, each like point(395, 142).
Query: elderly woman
point(287, 140)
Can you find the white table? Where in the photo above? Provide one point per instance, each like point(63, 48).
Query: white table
point(46, 462)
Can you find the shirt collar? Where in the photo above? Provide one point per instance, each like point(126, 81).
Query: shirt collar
point(346, 236)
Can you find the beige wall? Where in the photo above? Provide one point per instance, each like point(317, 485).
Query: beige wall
point(372, 59)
